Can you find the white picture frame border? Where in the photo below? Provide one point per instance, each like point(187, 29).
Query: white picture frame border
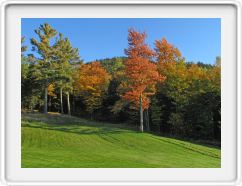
point(236, 3)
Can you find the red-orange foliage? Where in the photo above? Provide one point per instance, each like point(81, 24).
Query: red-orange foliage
point(141, 73)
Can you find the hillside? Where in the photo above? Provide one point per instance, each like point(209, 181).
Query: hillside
point(62, 141)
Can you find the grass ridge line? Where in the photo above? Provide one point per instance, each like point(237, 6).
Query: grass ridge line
point(210, 154)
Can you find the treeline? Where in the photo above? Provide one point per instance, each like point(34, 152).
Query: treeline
point(155, 89)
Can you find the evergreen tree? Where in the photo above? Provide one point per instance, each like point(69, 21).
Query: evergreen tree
point(44, 68)
point(64, 55)
point(155, 111)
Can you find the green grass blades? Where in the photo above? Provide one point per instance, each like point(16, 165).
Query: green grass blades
point(59, 141)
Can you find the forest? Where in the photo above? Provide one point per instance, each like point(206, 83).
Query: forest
point(153, 89)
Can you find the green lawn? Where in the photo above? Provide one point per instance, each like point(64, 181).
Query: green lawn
point(61, 141)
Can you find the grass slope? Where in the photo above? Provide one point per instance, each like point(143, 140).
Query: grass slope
point(61, 141)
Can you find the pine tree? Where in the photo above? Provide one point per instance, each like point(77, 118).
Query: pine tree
point(64, 55)
point(155, 111)
point(44, 70)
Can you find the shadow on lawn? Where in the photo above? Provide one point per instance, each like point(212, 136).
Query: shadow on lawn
point(65, 123)
point(77, 130)
point(71, 124)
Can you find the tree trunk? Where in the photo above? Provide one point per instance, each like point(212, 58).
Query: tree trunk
point(68, 103)
point(92, 115)
point(148, 119)
point(61, 100)
point(141, 115)
point(73, 103)
point(49, 104)
point(145, 119)
point(46, 101)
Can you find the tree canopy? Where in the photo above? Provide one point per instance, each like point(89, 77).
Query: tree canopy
point(153, 88)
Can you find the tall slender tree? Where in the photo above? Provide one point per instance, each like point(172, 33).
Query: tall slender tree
point(141, 73)
point(44, 67)
point(65, 56)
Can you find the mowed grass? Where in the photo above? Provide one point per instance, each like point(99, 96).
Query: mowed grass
point(60, 141)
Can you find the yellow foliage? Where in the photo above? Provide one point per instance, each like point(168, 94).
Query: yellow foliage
point(91, 82)
point(51, 90)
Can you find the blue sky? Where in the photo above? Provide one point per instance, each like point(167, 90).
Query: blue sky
point(198, 39)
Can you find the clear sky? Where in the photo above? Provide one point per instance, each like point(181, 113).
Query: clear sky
point(198, 39)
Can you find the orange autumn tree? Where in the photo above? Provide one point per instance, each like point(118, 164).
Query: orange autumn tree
point(141, 74)
point(165, 52)
point(91, 82)
point(171, 64)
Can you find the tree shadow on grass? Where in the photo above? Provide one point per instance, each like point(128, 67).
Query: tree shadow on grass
point(77, 130)
point(71, 124)
point(101, 132)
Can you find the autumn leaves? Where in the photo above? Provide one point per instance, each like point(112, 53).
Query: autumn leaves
point(91, 83)
point(155, 88)
point(141, 73)
point(140, 76)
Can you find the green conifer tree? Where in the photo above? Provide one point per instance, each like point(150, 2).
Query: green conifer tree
point(65, 56)
point(44, 68)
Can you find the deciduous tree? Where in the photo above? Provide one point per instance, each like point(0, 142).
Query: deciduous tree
point(91, 83)
point(166, 52)
point(141, 74)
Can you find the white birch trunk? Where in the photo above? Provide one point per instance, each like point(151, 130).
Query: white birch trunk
point(61, 100)
point(148, 119)
point(68, 103)
point(141, 115)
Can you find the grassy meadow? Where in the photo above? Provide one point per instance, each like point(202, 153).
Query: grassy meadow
point(146, 102)
point(61, 141)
